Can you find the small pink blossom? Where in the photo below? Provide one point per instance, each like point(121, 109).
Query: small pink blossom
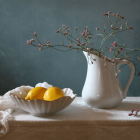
point(109, 12)
point(39, 44)
point(77, 44)
point(57, 31)
point(65, 33)
point(105, 14)
point(83, 43)
point(116, 28)
point(121, 49)
point(40, 49)
point(76, 28)
point(117, 15)
point(122, 17)
point(105, 58)
point(132, 110)
point(135, 115)
point(32, 40)
point(42, 46)
point(66, 27)
point(48, 42)
point(88, 49)
point(78, 39)
point(28, 42)
point(108, 15)
point(90, 37)
point(60, 29)
point(63, 26)
point(130, 27)
point(114, 44)
point(111, 26)
point(137, 110)
point(114, 14)
point(35, 35)
point(111, 49)
point(83, 34)
point(70, 46)
point(97, 28)
point(105, 65)
point(130, 114)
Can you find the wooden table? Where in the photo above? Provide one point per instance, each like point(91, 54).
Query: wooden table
point(78, 122)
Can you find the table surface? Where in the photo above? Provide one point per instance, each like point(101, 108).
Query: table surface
point(78, 111)
point(81, 122)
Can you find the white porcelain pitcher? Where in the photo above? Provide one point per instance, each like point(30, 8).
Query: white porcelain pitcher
point(102, 89)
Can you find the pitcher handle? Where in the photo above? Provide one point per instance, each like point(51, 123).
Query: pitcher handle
point(130, 64)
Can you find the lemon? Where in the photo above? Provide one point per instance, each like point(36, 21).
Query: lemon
point(36, 93)
point(53, 93)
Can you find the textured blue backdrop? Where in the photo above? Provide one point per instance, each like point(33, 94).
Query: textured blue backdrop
point(25, 65)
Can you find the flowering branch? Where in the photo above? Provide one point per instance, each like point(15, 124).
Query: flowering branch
point(133, 112)
point(84, 42)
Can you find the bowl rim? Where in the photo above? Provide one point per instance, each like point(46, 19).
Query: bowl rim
point(75, 95)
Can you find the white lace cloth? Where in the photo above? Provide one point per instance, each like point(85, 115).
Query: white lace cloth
point(7, 106)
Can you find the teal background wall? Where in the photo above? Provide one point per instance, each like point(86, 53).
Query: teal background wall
point(26, 65)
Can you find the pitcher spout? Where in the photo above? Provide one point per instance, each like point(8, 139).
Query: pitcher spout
point(85, 53)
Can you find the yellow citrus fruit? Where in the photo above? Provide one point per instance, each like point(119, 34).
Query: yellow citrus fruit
point(36, 93)
point(53, 93)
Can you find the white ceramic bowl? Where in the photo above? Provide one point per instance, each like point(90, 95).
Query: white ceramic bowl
point(42, 107)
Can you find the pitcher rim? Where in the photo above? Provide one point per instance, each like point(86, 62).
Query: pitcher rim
point(103, 56)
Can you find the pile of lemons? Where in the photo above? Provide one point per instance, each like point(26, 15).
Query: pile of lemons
point(50, 94)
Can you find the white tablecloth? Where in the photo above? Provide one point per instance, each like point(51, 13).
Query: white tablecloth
point(78, 122)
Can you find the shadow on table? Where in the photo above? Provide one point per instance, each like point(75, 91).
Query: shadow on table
point(127, 106)
point(74, 112)
point(82, 112)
